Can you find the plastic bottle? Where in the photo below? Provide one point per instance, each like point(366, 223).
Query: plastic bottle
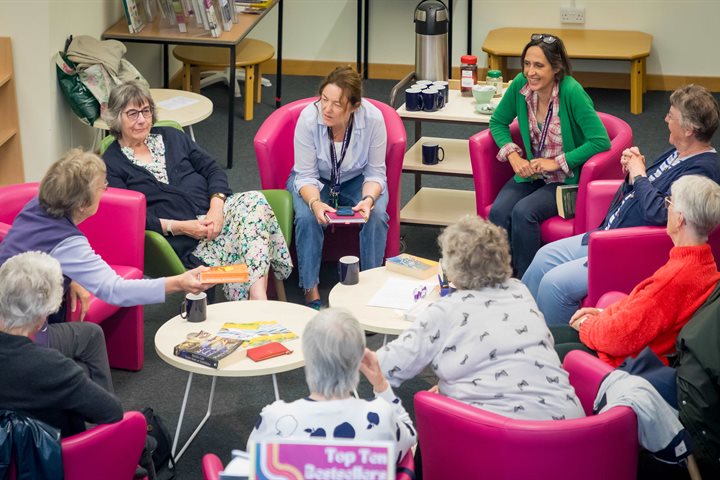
point(468, 74)
point(494, 78)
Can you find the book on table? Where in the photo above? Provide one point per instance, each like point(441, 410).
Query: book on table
point(254, 334)
point(225, 274)
point(210, 350)
point(413, 266)
point(566, 197)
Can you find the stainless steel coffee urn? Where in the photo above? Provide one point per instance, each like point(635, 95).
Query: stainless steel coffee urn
point(431, 40)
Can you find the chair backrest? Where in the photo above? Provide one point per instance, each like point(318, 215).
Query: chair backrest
point(107, 141)
point(461, 441)
point(275, 152)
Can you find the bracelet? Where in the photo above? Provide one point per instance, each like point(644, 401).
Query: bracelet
point(221, 196)
point(312, 201)
point(371, 198)
point(168, 228)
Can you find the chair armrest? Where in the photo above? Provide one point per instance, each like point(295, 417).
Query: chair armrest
point(116, 231)
point(620, 259)
point(160, 258)
point(211, 466)
point(106, 451)
point(599, 195)
point(406, 468)
point(281, 203)
point(586, 374)
point(489, 174)
point(609, 298)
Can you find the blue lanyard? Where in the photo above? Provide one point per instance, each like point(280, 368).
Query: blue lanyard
point(335, 164)
point(543, 135)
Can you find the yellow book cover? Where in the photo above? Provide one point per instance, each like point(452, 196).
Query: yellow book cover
point(254, 334)
point(226, 274)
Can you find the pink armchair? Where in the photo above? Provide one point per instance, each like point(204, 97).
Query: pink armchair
point(619, 259)
point(119, 211)
point(275, 156)
point(212, 466)
point(461, 441)
point(110, 451)
point(490, 175)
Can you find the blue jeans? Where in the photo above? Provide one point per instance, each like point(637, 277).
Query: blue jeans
point(309, 234)
point(520, 208)
point(558, 278)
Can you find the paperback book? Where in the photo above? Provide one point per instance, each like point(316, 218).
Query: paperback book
point(413, 266)
point(132, 14)
point(254, 334)
point(336, 219)
point(225, 274)
point(210, 350)
point(565, 197)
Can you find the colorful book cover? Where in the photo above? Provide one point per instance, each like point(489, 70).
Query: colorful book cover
point(210, 350)
point(179, 15)
point(226, 274)
point(132, 14)
point(254, 334)
point(413, 266)
point(212, 19)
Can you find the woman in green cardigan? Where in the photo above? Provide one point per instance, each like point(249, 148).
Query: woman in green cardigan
point(560, 130)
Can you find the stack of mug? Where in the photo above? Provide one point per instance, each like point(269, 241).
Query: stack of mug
point(427, 96)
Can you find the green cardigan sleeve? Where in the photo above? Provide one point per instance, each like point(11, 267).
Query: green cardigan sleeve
point(510, 107)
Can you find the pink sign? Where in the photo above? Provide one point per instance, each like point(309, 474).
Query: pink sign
point(329, 460)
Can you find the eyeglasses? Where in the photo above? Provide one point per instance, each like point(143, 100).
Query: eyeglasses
point(133, 114)
point(104, 186)
point(668, 201)
point(545, 37)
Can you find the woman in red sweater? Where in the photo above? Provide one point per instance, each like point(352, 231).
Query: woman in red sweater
point(656, 309)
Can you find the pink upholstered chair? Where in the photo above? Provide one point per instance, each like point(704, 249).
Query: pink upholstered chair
point(461, 441)
point(276, 155)
point(212, 466)
point(116, 233)
point(110, 452)
point(490, 175)
point(619, 259)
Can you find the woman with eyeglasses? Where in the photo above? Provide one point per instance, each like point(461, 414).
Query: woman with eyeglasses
point(188, 197)
point(340, 143)
point(655, 311)
point(560, 131)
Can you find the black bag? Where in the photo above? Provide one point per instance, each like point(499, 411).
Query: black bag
point(162, 456)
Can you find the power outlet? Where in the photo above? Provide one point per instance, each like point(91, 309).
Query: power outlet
point(572, 14)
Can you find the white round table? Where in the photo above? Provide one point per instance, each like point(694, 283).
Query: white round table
point(175, 330)
point(355, 299)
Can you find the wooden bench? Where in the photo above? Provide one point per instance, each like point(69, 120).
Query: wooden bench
point(580, 43)
point(250, 54)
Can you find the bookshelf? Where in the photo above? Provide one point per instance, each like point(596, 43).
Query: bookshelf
point(11, 165)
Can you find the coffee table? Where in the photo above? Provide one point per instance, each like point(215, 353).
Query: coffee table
point(175, 330)
point(354, 298)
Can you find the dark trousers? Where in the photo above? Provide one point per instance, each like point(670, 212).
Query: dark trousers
point(568, 339)
point(84, 342)
point(520, 208)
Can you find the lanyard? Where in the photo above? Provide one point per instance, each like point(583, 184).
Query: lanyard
point(544, 133)
point(335, 164)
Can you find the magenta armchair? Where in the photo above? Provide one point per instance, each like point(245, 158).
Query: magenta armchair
point(461, 441)
point(490, 174)
point(120, 211)
point(212, 466)
point(275, 156)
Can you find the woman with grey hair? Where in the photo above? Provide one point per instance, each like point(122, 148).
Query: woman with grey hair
point(334, 350)
point(41, 382)
point(69, 194)
point(655, 311)
point(486, 342)
point(188, 196)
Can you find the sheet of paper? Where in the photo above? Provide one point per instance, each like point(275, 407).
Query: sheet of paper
point(176, 103)
point(398, 293)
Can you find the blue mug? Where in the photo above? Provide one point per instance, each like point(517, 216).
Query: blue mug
point(441, 87)
point(413, 100)
point(349, 270)
point(431, 100)
point(194, 307)
point(431, 153)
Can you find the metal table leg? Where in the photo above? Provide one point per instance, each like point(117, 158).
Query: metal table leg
point(182, 416)
point(275, 387)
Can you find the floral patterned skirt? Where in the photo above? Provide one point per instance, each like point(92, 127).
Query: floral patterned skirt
point(251, 235)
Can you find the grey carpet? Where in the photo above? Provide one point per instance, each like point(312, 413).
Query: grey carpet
point(239, 400)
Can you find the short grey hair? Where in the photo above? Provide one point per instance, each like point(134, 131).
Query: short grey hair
point(68, 184)
point(698, 199)
point(333, 345)
point(129, 93)
point(31, 288)
point(475, 253)
point(698, 109)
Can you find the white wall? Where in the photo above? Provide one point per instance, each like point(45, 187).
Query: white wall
point(685, 33)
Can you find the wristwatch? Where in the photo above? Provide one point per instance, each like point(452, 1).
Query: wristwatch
point(221, 196)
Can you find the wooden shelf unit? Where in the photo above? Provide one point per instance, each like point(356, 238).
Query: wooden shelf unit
point(11, 164)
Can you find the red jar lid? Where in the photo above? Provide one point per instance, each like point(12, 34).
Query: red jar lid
point(468, 59)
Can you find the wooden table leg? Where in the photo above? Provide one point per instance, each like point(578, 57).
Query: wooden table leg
point(258, 83)
point(195, 79)
point(249, 91)
point(186, 77)
point(644, 75)
point(636, 86)
point(496, 62)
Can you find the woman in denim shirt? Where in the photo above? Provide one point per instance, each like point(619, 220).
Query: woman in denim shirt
point(340, 143)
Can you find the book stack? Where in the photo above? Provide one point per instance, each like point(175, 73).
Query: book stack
point(565, 197)
point(412, 266)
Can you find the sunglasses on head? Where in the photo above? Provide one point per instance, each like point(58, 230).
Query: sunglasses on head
point(545, 37)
